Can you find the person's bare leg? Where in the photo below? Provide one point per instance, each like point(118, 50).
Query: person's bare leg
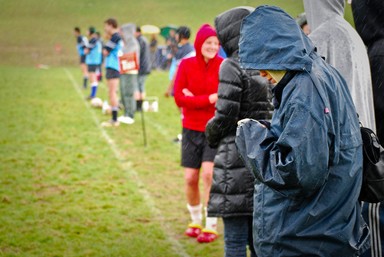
point(112, 91)
point(193, 195)
point(84, 70)
point(92, 77)
point(192, 186)
point(207, 174)
point(94, 84)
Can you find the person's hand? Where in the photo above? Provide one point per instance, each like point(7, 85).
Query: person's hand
point(168, 93)
point(213, 98)
point(186, 92)
point(266, 124)
point(86, 51)
point(105, 52)
point(169, 90)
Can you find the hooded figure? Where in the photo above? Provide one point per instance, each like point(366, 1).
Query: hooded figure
point(241, 95)
point(131, 45)
point(195, 92)
point(128, 81)
point(337, 41)
point(201, 79)
point(308, 161)
point(369, 22)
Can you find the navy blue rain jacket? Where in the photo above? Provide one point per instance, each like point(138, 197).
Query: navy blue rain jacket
point(308, 165)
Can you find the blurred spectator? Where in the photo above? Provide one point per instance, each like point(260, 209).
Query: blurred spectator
point(303, 23)
point(93, 59)
point(185, 50)
point(82, 42)
point(222, 52)
point(99, 71)
point(112, 50)
point(153, 50)
point(145, 68)
point(129, 76)
point(337, 41)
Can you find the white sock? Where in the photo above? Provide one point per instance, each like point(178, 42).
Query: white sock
point(210, 222)
point(196, 214)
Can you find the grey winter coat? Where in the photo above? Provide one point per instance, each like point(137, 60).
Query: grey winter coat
point(240, 95)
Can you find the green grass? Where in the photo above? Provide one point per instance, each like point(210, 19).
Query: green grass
point(63, 190)
point(32, 29)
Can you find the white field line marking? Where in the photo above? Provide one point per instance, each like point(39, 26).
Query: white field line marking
point(127, 167)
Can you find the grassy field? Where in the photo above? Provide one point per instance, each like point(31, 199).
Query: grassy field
point(67, 186)
point(70, 188)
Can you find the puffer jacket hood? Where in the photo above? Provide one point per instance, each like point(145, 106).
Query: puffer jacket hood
point(262, 50)
point(204, 32)
point(319, 12)
point(228, 26)
point(130, 42)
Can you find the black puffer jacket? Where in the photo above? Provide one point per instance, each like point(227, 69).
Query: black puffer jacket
point(241, 95)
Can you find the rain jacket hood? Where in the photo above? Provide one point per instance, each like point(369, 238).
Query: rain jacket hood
point(338, 42)
point(203, 33)
point(228, 26)
point(308, 162)
point(130, 42)
point(202, 80)
point(369, 20)
point(254, 53)
point(318, 12)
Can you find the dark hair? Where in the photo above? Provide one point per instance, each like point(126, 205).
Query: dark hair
point(77, 29)
point(184, 32)
point(92, 30)
point(138, 29)
point(303, 24)
point(112, 22)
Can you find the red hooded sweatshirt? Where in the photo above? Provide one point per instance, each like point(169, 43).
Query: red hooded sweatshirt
point(202, 79)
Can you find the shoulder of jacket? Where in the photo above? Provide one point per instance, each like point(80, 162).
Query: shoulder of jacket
point(231, 63)
point(188, 60)
point(230, 70)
